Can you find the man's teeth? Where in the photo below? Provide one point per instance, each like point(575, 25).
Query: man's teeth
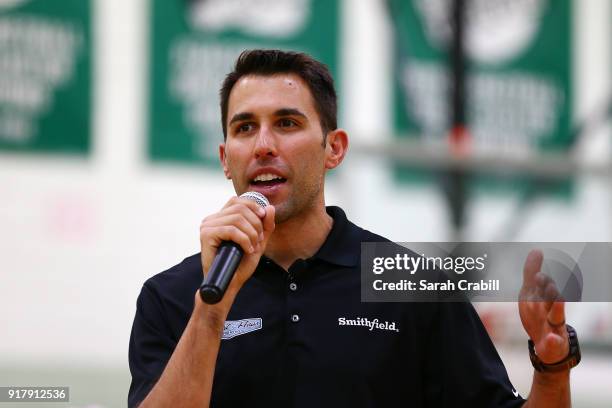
point(267, 177)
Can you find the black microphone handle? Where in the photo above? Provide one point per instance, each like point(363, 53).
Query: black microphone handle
point(221, 272)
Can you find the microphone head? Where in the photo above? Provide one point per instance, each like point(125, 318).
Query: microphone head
point(259, 198)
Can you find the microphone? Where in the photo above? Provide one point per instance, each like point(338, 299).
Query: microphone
point(223, 267)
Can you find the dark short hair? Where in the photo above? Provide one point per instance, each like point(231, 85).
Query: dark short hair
point(315, 74)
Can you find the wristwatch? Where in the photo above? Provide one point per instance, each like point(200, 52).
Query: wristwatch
point(570, 361)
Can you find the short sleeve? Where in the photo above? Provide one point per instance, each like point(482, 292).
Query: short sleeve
point(464, 368)
point(151, 346)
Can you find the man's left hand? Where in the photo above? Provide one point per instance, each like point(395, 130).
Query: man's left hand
point(542, 311)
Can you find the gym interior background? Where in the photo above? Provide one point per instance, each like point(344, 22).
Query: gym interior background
point(109, 127)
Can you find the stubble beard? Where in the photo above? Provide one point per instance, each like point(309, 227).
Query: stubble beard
point(296, 203)
point(299, 202)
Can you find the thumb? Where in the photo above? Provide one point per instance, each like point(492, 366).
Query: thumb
point(268, 222)
point(268, 228)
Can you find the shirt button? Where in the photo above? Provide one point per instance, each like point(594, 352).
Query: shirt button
point(293, 286)
point(295, 318)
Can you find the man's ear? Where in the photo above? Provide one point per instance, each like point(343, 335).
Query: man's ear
point(336, 146)
point(223, 160)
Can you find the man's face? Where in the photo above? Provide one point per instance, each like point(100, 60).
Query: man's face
point(274, 143)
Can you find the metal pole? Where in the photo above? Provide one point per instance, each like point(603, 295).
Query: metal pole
point(455, 182)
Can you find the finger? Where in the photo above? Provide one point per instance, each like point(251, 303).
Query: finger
point(268, 221)
point(232, 201)
point(551, 294)
point(268, 226)
point(216, 235)
point(246, 213)
point(252, 205)
point(528, 294)
point(546, 288)
point(556, 316)
point(251, 211)
point(255, 214)
point(542, 279)
point(239, 221)
point(533, 264)
point(238, 206)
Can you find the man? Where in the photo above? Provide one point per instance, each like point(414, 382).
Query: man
point(287, 333)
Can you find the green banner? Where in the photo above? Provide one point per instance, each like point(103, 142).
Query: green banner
point(45, 65)
point(519, 81)
point(194, 44)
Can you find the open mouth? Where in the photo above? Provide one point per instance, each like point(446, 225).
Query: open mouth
point(267, 180)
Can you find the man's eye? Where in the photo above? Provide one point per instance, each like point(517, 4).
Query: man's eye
point(286, 123)
point(245, 127)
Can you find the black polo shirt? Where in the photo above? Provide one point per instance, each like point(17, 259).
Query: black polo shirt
point(303, 338)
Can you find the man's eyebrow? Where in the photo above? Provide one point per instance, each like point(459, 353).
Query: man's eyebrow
point(280, 112)
point(289, 112)
point(241, 116)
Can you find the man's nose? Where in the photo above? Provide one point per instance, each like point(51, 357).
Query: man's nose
point(265, 143)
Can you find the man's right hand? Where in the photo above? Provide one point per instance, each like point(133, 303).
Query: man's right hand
point(188, 376)
point(241, 221)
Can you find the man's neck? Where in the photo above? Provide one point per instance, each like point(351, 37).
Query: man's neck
point(299, 237)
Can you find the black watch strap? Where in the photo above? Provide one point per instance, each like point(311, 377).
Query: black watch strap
point(571, 360)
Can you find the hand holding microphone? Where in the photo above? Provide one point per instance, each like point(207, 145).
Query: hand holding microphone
point(232, 243)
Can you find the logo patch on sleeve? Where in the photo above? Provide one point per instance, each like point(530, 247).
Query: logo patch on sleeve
point(233, 328)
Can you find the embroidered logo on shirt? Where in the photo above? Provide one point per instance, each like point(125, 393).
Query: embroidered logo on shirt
point(233, 328)
point(370, 324)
